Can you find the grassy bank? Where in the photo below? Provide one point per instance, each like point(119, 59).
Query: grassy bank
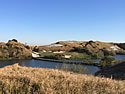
point(74, 56)
point(22, 80)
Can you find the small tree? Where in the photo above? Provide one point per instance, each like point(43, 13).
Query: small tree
point(14, 40)
point(108, 58)
point(107, 61)
point(28, 47)
point(107, 53)
point(36, 49)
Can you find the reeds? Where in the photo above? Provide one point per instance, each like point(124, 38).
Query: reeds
point(22, 80)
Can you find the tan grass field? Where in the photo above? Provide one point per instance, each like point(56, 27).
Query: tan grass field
point(23, 80)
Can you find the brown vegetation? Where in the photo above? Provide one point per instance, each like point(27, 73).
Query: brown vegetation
point(22, 80)
point(71, 44)
point(14, 50)
point(95, 49)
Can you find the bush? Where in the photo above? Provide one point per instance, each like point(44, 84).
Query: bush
point(107, 61)
point(73, 68)
point(14, 40)
point(28, 47)
point(95, 56)
point(36, 49)
point(16, 47)
point(107, 53)
point(108, 58)
point(86, 50)
point(90, 42)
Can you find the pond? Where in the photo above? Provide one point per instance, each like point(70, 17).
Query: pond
point(119, 57)
point(87, 69)
point(52, 65)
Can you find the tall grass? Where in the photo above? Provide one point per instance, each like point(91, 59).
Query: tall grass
point(22, 80)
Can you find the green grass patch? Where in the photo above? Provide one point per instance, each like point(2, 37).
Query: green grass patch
point(78, 56)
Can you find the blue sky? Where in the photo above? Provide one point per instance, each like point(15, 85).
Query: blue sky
point(39, 22)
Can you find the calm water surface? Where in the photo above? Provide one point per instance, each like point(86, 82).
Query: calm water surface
point(119, 57)
point(45, 64)
point(52, 65)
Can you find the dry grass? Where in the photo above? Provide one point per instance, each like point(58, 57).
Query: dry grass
point(22, 80)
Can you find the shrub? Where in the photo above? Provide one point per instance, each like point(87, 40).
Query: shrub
point(108, 58)
point(107, 53)
point(95, 56)
point(86, 50)
point(28, 47)
point(90, 42)
point(16, 47)
point(36, 49)
point(14, 40)
point(73, 68)
point(107, 61)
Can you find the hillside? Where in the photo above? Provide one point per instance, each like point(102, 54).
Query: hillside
point(116, 72)
point(121, 45)
point(74, 49)
point(14, 50)
point(95, 49)
point(22, 80)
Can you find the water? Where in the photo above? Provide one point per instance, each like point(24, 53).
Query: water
point(46, 64)
point(119, 57)
point(52, 65)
